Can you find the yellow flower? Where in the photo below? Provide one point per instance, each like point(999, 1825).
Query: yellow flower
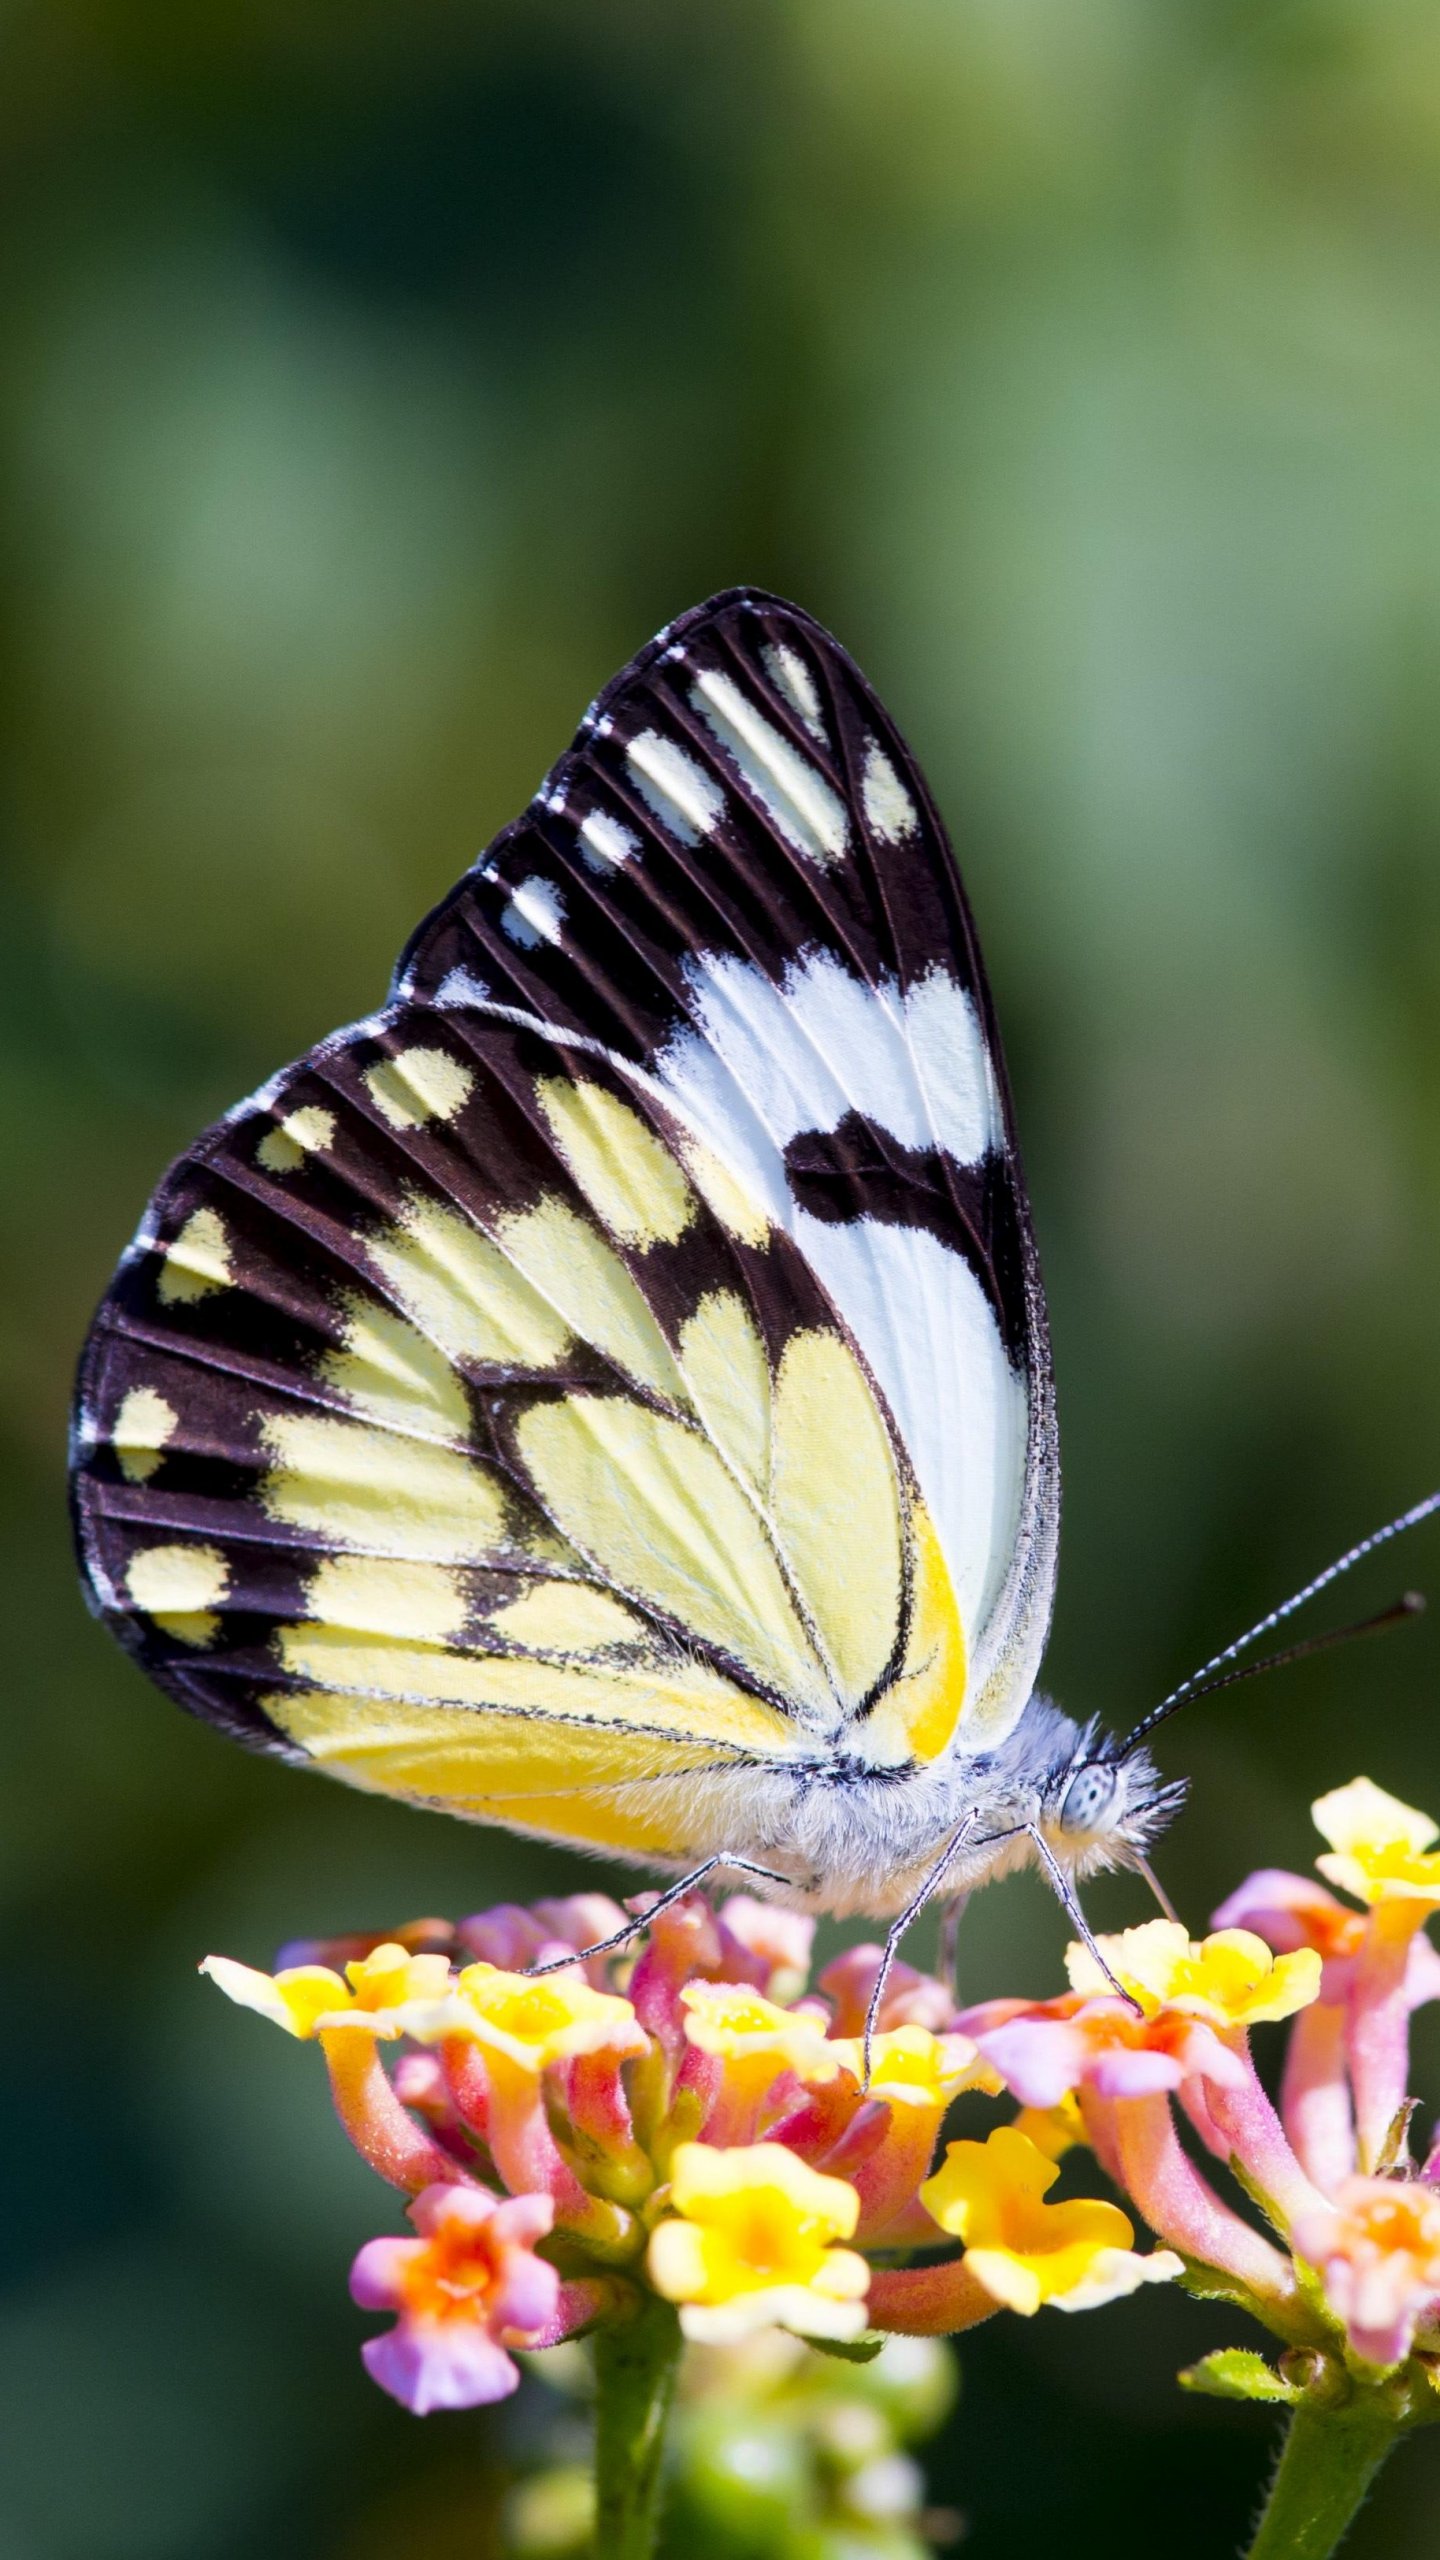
point(308, 1999)
point(1053, 2130)
point(1231, 1979)
point(1377, 1845)
point(910, 2067)
point(741, 2027)
point(532, 2020)
point(751, 2245)
point(1024, 2251)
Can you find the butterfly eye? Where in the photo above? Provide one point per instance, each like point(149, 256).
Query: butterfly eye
point(1088, 1797)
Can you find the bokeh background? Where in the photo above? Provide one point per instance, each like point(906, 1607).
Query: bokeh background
point(373, 379)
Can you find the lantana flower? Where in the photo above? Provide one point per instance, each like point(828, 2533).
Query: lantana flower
point(310, 1999)
point(1024, 2251)
point(1377, 2250)
point(1380, 1849)
point(467, 2289)
point(1229, 1980)
point(671, 2135)
point(751, 2244)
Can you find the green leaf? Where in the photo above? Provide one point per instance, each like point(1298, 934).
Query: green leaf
point(1237, 2373)
point(861, 2350)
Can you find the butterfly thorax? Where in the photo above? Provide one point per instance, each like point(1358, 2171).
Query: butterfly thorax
point(852, 1839)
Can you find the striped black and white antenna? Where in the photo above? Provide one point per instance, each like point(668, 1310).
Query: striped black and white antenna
point(1217, 1672)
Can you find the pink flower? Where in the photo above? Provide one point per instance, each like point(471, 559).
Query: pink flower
point(778, 1941)
point(1377, 2249)
point(911, 1999)
point(469, 2287)
point(1045, 2049)
point(1290, 1911)
point(513, 1938)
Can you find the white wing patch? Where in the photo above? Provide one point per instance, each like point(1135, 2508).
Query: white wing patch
point(809, 815)
point(605, 843)
point(952, 1065)
point(791, 676)
point(536, 913)
point(890, 813)
point(684, 797)
point(460, 987)
point(767, 1062)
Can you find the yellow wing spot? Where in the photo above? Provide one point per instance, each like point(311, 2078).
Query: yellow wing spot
point(467, 1293)
point(917, 1717)
point(728, 1375)
point(837, 1505)
point(303, 1133)
point(650, 1503)
point(143, 1427)
point(585, 1281)
point(179, 1588)
point(357, 1486)
point(416, 1085)
point(566, 1617)
point(529, 1769)
point(413, 1686)
point(739, 1212)
point(388, 1596)
point(627, 1174)
point(196, 1261)
point(390, 1370)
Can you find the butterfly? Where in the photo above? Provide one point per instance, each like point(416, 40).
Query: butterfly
point(608, 1391)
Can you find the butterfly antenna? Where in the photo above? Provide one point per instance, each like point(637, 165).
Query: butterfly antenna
point(1204, 1681)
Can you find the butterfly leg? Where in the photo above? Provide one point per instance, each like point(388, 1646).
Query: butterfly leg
point(896, 1931)
point(1070, 1904)
point(673, 1893)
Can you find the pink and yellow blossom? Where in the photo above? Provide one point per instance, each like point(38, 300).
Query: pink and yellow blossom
point(910, 2066)
point(779, 1941)
point(1376, 2247)
point(1045, 2050)
point(751, 2243)
point(686, 2120)
point(310, 1999)
point(909, 1999)
point(530, 2022)
point(1230, 1980)
point(467, 2289)
point(1024, 2251)
point(1378, 1846)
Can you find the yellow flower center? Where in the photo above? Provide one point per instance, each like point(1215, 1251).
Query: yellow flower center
point(1230, 1979)
point(542, 2021)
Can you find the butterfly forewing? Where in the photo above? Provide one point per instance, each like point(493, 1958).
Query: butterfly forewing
point(620, 1364)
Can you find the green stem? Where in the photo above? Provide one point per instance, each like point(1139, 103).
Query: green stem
point(636, 2362)
point(1327, 2462)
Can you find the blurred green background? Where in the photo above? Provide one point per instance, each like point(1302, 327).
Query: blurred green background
point(373, 379)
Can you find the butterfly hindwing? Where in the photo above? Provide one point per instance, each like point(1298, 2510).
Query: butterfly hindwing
point(618, 1366)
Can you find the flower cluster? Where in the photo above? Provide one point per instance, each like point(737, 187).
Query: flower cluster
point(689, 2121)
point(1353, 2289)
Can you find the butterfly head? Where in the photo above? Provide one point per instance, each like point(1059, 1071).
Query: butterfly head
point(1103, 1804)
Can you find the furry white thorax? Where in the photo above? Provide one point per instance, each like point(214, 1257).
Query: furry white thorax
point(852, 1841)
